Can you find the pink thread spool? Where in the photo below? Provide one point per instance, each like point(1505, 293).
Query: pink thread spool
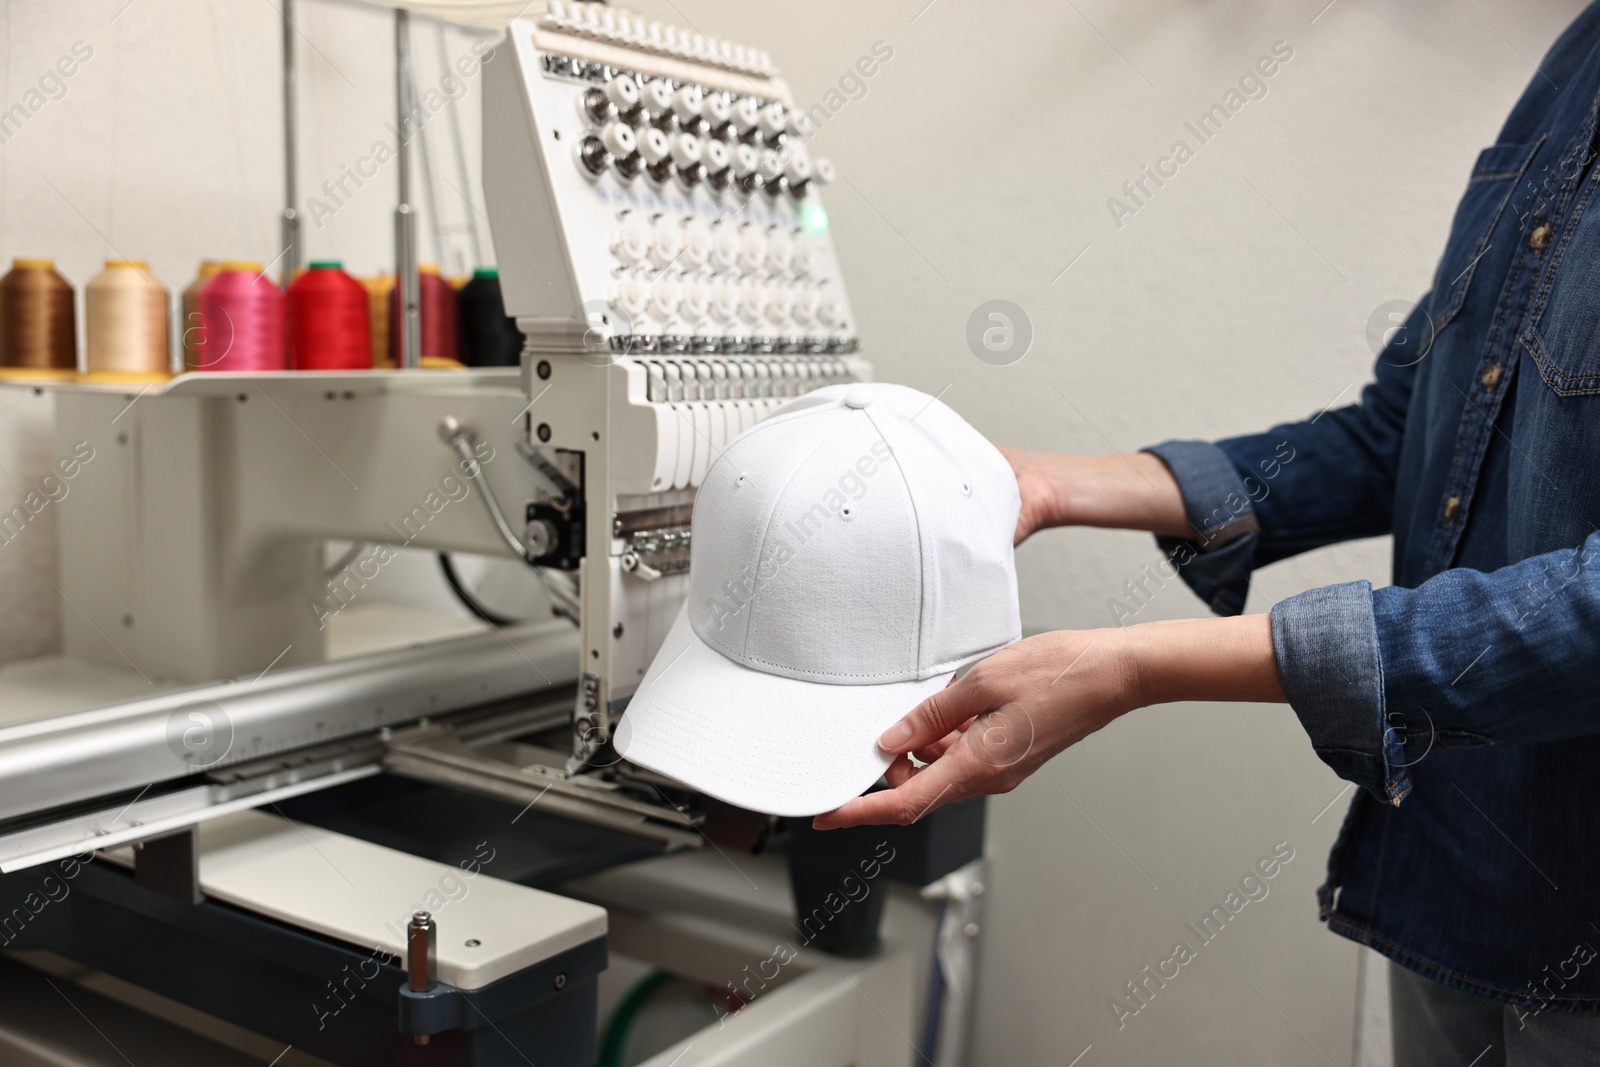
point(241, 321)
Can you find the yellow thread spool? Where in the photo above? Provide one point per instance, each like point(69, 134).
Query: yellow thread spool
point(378, 289)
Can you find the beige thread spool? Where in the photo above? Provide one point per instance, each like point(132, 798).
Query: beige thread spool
point(126, 313)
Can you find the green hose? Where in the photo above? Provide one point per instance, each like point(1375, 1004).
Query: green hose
point(618, 1030)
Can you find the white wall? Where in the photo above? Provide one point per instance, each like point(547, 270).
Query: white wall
point(976, 166)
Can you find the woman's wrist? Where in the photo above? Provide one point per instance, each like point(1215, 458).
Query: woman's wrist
point(1134, 492)
point(1125, 492)
point(1201, 659)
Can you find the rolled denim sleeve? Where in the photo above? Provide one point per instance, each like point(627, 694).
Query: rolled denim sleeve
point(1215, 563)
point(1379, 677)
point(1327, 646)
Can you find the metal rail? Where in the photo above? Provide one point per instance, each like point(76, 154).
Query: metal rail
point(52, 762)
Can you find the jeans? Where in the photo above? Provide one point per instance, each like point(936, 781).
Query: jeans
point(1435, 1025)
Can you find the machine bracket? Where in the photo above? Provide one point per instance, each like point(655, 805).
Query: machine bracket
point(170, 864)
point(555, 534)
point(526, 774)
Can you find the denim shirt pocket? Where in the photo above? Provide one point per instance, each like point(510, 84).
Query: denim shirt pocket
point(1563, 335)
point(1494, 178)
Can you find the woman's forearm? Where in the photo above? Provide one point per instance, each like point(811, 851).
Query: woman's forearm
point(1125, 492)
point(1012, 712)
point(1201, 659)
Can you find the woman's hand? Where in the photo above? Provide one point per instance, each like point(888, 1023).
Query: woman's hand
point(1040, 482)
point(1007, 716)
point(998, 724)
point(1134, 492)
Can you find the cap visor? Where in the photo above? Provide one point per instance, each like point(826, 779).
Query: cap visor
point(758, 741)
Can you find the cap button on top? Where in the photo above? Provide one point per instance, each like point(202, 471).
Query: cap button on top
point(858, 398)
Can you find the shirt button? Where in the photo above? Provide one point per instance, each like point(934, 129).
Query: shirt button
point(1451, 506)
point(1539, 237)
point(1490, 376)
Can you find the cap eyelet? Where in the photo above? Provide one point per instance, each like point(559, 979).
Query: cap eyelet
point(743, 477)
point(847, 513)
point(966, 488)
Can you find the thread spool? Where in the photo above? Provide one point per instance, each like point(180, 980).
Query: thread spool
point(440, 321)
point(189, 306)
point(378, 289)
point(125, 309)
point(241, 319)
point(329, 323)
point(489, 337)
point(438, 328)
point(38, 331)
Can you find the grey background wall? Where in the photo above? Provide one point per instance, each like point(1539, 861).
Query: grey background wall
point(976, 164)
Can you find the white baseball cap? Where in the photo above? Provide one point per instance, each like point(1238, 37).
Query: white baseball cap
point(850, 554)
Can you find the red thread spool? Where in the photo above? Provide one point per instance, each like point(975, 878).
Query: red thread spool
point(241, 321)
point(438, 305)
point(329, 325)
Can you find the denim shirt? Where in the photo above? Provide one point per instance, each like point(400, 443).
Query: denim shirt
point(1464, 699)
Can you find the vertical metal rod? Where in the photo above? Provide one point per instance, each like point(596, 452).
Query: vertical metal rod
point(422, 960)
point(422, 957)
point(460, 150)
point(429, 192)
point(290, 228)
point(407, 286)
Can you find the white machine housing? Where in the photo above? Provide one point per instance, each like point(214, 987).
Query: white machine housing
point(666, 309)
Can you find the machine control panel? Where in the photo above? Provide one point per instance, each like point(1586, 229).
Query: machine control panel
point(666, 198)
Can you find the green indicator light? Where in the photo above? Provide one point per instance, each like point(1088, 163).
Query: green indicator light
point(814, 219)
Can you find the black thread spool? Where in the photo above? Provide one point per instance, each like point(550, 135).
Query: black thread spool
point(489, 337)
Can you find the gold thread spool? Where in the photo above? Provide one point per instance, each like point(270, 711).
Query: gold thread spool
point(191, 309)
point(38, 330)
point(378, 309)
point(126, 311)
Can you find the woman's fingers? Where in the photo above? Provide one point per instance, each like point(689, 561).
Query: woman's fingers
point(900, 772)
point(929, 753)
point(955, 776)
point(936, 716)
